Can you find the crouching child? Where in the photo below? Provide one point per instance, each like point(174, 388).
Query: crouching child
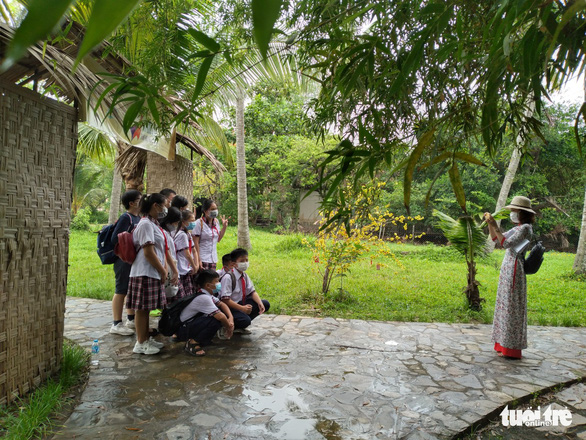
point(204, 316)
point(239, 294)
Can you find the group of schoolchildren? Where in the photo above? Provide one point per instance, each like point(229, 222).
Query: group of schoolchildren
point(176, 257)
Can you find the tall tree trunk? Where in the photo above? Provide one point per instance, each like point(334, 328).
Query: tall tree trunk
point(509, 178)
point(580, 260)
point(506, 187)
point(132, 164)
point(243, 231)
point(116, 193)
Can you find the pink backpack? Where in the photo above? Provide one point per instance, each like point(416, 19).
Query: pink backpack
point(125, 247)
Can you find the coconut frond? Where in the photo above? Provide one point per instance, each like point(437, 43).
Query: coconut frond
point(224, 79)
point(211, 136)
point(93, 142)
point(6, 12)
point(191, 143)
point(463, 234)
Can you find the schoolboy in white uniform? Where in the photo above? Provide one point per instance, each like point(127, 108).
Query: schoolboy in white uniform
point(243, 300)
point(204, 316)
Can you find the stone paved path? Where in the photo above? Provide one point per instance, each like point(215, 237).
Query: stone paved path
point(308, 378)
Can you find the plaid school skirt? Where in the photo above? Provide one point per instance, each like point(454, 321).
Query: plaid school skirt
point(145, 293)
point(185, 286)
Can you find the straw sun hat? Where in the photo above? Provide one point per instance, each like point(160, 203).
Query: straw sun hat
point(520, 202)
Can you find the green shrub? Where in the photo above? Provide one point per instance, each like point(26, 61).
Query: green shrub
point(99, 217)
point(81, 222)
point(293, 242)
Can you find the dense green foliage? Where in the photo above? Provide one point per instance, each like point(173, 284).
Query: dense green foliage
point(92, 185)
point(427, 288)
point(282, 157)
point(407, 82)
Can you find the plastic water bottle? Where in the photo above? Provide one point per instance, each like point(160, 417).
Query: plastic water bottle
point(95, 352)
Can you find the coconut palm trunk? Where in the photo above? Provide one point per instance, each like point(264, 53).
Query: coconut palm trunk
point(243, 230)
point(116, 194)
point(580, 260)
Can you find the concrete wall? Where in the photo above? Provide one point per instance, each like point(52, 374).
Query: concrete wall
point(309, 212)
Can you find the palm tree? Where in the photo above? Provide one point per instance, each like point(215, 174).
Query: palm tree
point(579, 266)
point(243, 229)
point(467, 237)
point(96, 144)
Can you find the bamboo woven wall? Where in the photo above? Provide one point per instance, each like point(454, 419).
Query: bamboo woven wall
point(177, 175)
point(37, 156)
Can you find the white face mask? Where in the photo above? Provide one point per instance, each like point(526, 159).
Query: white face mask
point(243, 266)
point(164, 212)
point(514, 216)
point(214, 213)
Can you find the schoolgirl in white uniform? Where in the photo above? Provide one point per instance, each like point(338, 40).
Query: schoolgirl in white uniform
point(187, 260)
point(170, 223)
point(149, 271)
point(207, 234)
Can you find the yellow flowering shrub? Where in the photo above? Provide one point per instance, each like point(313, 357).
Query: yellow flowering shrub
point(338, 246)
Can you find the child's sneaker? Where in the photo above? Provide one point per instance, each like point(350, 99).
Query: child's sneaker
point(155, 343)
point(145, 348)
point(130, 324)
point(222, 334)
point(243, 331)
point(119, 329)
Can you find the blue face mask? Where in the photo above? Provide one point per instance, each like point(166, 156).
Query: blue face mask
point(191, 226)
point(218, 288)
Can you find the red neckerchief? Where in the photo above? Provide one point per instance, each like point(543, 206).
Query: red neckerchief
point(243, 284)
point(212, 227)
point(154, 220)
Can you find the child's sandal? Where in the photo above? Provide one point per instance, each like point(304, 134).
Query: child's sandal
point(194, 349)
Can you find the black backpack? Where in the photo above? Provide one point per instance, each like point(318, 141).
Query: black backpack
point(533, 261)
point(170, 321)
point(105, 247)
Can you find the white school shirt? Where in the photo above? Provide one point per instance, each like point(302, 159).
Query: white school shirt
point(171, 246)
point(182, 241)
point(236, 295)
point(204, 303)
point(208, 240)
point(147, 232)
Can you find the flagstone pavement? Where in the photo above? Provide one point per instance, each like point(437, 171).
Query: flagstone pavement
point(311, 378)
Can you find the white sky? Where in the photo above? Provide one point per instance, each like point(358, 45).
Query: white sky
point(571, 93)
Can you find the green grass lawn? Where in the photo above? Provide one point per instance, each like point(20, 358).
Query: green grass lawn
point(427, 288)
